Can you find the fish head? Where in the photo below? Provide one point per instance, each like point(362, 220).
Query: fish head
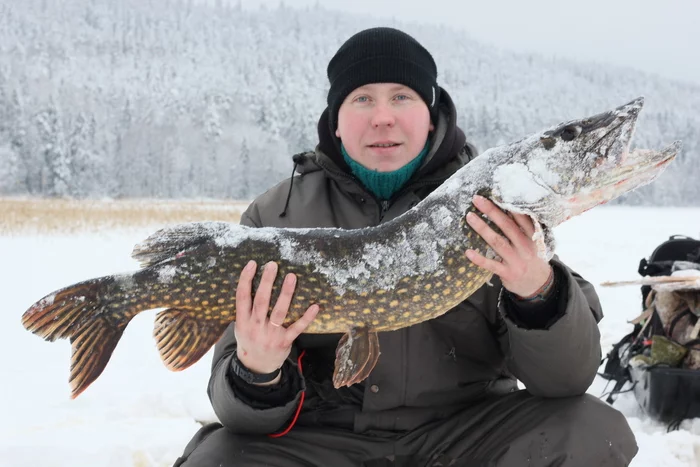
point(574, 166)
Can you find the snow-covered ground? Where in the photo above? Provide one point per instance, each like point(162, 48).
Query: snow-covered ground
point(140, 414)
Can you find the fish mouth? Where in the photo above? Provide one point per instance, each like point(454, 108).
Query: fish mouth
point(640, 167)
point(643, 165)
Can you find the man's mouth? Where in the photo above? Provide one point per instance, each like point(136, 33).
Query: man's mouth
point(383, 145)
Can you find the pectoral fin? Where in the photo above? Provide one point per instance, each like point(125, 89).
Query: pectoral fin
point(356, 356)
point(183, 339)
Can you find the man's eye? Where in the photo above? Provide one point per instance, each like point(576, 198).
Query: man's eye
point(361, 99)
point(402, 97)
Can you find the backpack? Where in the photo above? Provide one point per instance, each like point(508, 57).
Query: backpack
point(667, 394)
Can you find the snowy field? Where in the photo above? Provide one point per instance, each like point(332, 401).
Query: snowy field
point(140, 414)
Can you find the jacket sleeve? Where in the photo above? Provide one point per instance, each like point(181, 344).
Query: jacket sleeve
point(560, 359)
point(251, 409)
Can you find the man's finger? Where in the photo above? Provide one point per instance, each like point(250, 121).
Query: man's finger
point(300, 325)
point(507, 225)
point(261, 303)
point(279, 311)
point(526, 224)
point(492, 265)
point(499, 244)
point(244, 301)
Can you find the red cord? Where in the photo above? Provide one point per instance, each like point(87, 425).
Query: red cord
point(301, 403)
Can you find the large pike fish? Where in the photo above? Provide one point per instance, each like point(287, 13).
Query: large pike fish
point(366, 281)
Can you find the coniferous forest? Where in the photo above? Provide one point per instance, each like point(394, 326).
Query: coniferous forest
point(177, 99)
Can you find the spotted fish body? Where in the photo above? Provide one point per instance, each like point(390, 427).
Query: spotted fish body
point(382, 278)
point(385, 278)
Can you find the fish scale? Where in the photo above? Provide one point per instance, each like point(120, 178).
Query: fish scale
point(394, 275)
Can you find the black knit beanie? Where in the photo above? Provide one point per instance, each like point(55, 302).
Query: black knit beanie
point(381, 55)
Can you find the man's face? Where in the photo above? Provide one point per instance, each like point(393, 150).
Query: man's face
point(383, 126)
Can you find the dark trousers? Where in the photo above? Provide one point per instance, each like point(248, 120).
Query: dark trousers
point(512, 430)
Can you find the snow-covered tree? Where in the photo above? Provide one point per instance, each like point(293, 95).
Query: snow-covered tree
point(57, 171)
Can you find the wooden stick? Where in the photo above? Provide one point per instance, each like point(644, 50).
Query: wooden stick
point(696, 330)
point(653, 280)
point(645, 315)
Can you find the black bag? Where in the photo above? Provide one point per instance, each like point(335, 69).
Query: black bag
point(660, 263)
point(666, 394)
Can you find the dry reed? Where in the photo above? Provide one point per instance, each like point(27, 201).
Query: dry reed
point(63, 216)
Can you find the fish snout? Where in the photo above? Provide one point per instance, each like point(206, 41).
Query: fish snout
point(631, 109)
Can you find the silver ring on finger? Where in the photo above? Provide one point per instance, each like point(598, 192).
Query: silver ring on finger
point(275, 324)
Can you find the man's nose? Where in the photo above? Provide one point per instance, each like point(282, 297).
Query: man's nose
point(383, 116)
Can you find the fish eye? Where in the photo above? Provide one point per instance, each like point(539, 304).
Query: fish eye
point(570, 133)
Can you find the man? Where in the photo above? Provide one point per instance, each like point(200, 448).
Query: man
point(444, 391)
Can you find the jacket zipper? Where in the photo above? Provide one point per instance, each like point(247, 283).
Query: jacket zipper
point(384, 207)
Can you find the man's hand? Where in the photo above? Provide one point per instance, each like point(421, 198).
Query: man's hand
point(521, 270)
point(263, 343)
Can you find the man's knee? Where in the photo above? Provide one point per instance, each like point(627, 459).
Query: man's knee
point(572, 432)
point(216, 446)
point(212, 445)
point(588, 411)
point(596, 429)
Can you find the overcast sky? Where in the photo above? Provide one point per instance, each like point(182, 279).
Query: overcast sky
point(661, 36)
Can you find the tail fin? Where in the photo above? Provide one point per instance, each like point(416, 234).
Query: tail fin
point(77, 313)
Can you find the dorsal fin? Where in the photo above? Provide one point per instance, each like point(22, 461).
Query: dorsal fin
point(169, 241)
